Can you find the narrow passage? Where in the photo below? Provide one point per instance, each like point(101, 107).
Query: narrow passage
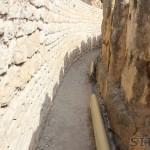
point(69, 125)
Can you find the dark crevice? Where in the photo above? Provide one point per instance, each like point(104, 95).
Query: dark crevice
point(20, 64)
point(135, 4)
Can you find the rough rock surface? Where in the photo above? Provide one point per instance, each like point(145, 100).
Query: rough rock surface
point(39, 40)
point(96, 3)
point(124, 69)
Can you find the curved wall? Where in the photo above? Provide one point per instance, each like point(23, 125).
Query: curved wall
point(39, 40)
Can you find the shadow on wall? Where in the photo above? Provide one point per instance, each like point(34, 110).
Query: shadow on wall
point(87, 2)
point(69, 59)
point(97, 3)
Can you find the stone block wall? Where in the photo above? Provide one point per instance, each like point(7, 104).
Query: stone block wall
point(39, 40)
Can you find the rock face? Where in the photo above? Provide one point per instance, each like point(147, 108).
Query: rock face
point(39, 40)
point(124, 69)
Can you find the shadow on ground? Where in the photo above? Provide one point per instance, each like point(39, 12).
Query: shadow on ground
point(69, 59)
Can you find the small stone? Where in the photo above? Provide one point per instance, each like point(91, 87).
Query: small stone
point(9, 31)
point(29, 27)
point(3, 7)
point(20, 54)
point(14, 10)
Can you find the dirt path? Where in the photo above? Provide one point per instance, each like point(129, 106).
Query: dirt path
point(69, 125)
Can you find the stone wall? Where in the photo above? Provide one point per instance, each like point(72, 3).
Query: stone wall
point(39, 40)
point(124, 69)
point(96, 3)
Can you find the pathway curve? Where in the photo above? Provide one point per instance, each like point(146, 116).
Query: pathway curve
point(69, 125)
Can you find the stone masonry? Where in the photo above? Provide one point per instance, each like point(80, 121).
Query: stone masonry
point(39, 40)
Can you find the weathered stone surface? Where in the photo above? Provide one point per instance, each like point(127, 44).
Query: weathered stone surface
point(32, 42)
point(9, 31)
point(14, 9)
point(118, 40)
point(37, 3)
point(39, 14)
point(12, 45)
point(123, 72)
point(20, 54)
point(2, 31)
point(28, 70)
point(29, 27)
point(3, 59)
point(39, 41)
point(27, 11)
point(24, 27)
point(96, 3)
point(7, 88)
point(20, 10)
point(138, 51)
point(4, 7)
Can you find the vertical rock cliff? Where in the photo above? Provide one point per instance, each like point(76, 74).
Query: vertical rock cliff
point(124, 69)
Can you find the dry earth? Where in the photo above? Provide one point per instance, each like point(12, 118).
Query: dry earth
point(69, 125)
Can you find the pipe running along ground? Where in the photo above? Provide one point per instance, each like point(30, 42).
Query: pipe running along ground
point(98, 125)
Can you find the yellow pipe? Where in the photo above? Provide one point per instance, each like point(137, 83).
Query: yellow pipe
point(92, 69)
point(98, 125)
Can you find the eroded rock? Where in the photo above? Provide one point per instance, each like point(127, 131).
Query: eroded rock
point(124, 67)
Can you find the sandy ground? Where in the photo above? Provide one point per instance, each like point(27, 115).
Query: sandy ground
point(69, 125)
